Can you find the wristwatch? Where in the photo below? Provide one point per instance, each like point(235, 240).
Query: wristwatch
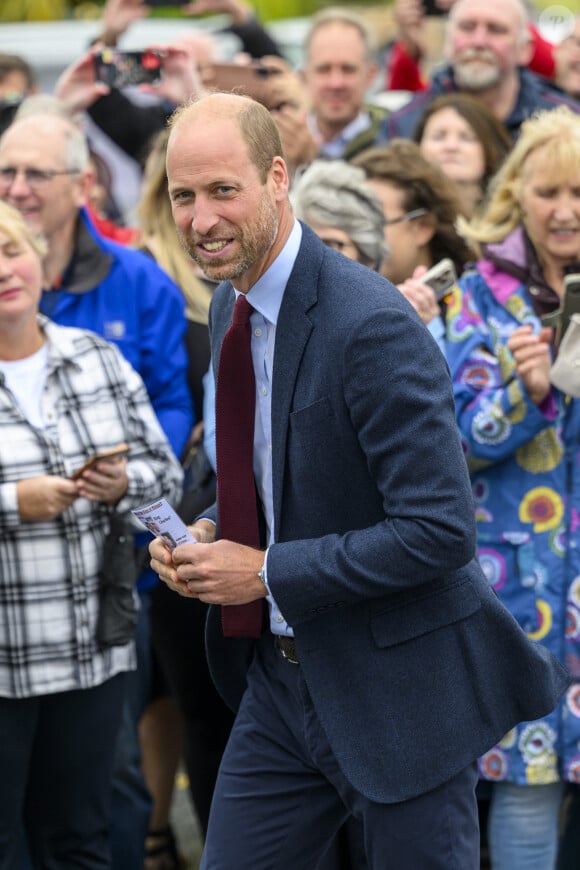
point(262, 576)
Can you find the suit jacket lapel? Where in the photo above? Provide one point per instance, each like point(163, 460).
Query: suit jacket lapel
point(223, 309)
point(292, 334)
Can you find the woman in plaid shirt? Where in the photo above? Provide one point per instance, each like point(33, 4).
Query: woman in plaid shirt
point(65, 394)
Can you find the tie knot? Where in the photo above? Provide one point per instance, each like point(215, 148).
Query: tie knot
point(242, 311)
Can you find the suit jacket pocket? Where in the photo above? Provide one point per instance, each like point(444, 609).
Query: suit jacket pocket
point(311, 424)
point(432, 611)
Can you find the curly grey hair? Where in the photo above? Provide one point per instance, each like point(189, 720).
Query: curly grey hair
point(333, 193)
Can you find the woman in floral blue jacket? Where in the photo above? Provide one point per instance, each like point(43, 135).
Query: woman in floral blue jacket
point(522, 440)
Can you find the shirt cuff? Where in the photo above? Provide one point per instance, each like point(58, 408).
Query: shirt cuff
point(263, 573)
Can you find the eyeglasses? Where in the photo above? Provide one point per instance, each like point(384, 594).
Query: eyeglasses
point(408, 216)
point(35, 178)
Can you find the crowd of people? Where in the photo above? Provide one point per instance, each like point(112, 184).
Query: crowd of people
point(383, 670)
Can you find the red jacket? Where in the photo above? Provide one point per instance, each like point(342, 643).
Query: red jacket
point(110, 230)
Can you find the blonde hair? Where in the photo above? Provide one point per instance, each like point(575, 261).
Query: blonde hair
point(159, 233)
point(560, 129)
point(13, 224)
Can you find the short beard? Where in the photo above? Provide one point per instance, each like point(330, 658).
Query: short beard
point(473, 76)
point(255, 242)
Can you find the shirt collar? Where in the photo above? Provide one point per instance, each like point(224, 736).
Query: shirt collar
point(89, 264)
point(60, 341)
point(267, 293)
point(336, 146)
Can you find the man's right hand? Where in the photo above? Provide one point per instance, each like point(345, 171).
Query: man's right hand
point(162, 563)
point(45, 497)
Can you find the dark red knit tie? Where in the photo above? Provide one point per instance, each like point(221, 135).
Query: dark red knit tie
point(236, 491)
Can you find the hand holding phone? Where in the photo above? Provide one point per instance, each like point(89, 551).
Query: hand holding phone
point(570, 303)
point(117, 69)
point(440, 278)
point(113, 453)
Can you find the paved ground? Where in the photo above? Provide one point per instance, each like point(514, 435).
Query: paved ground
point(185, 824)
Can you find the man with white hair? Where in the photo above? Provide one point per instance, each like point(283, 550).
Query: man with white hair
point(488, 47)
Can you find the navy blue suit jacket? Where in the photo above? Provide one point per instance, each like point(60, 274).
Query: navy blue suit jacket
point(414, 666)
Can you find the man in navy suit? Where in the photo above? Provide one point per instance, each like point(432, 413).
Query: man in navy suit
point(386, 665)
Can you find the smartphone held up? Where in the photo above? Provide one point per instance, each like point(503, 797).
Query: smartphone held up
point(118, 69)
point(441, 278)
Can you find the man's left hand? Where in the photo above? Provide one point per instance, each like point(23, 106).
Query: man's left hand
point(220, 573)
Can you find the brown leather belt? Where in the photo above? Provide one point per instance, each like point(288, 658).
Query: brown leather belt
point(287, 647)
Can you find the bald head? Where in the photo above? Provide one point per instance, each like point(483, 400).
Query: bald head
point(253, 120)
point(45, 162)
point(517, 6)
point(67, 141)
point(486, 43)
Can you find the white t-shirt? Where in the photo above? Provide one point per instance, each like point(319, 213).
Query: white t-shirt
point(25, 378)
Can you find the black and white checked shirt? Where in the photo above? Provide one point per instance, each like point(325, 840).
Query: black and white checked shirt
point(92, 400)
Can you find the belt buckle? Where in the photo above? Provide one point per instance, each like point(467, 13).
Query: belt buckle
point(287, 647)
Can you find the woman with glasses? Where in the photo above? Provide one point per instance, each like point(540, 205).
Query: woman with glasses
point(421, 207)
point(333, 198)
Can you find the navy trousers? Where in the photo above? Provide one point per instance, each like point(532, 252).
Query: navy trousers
point(281, 797)
point(56, 763)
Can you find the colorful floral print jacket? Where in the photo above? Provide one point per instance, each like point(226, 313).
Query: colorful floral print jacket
point(525, 467)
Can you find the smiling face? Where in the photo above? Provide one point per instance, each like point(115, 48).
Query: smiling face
point(450, 142)
point(337, 74)
point(38, 143)
point(551, 208)
point(227, 218)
